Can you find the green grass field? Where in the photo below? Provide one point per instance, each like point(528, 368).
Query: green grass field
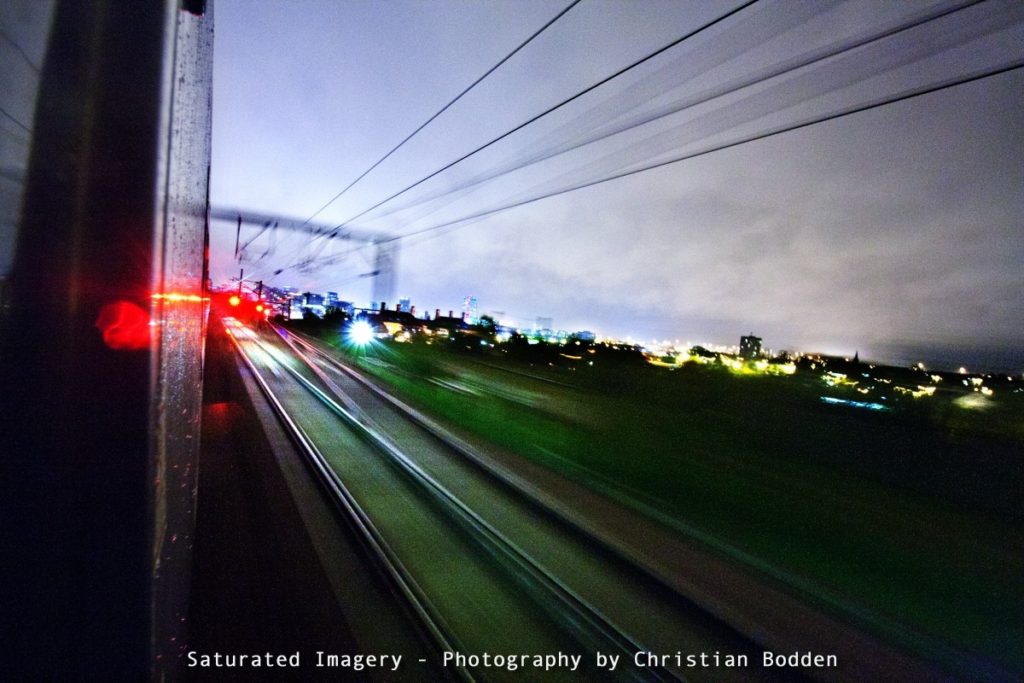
point(905, 521)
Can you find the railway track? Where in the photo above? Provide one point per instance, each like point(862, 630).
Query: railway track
point(491, 566)
point(744, 612)
point(464, 566)
point(599, 600)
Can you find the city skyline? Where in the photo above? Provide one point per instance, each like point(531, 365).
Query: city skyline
point(948, 359)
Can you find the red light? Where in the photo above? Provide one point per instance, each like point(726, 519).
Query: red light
point(259, 308)
point(125, 326)
point(234, 300)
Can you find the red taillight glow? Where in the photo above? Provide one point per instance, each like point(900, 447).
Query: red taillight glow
point(234, 300)
point(259, 308)
point(125, 326)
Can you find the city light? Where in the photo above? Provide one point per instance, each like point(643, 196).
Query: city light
point(360, 333)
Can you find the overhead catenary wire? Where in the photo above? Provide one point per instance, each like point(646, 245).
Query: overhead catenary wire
point(445, 108)
point(778, 130)
point(305, 261)
point(556, 107)
point(815, 54)
point(869, 44)
point(466, 90)
point(771, 71)
point(866, 64)
point(20, 50)
point(16, 121)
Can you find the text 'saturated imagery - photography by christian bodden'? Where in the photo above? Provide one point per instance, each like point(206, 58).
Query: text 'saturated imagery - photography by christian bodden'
point(512, 340)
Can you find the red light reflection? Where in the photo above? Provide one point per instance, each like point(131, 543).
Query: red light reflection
point(125, 326)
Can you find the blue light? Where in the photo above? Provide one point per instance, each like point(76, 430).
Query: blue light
point(853, 404)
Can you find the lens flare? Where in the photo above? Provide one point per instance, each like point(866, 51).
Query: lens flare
point(360, 333)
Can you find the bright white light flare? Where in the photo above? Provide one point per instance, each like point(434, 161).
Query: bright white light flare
point(360, 333)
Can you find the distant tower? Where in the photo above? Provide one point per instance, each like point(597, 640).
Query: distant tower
point(405, 304)
point(750, 346)
point(469, 307)
point(384, 263)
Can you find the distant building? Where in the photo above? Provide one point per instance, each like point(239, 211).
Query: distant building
point(312, 302)
point(586, 335)
point(450, 323)
point(331, 300)
point(469, 307)
point(750, 346)
point(542, 324)
point(405, 305)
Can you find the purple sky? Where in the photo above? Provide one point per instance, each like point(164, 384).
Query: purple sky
point(904, 224)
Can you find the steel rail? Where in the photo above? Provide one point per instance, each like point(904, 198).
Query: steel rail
point(519, 486)
point(386, 558)
point(596, 627)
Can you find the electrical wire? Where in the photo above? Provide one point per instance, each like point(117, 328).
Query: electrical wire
point(691, 101)
point(786, 128)
point(16, 121)
point(24, 55)
point(775, 70)
point(556, 107)
point(444, 108)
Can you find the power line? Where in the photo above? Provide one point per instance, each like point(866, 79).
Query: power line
point(579, 94)
point(445, 107)
point(788, 66)
point(16, 121)
point(553, 108)
point(786, 128)
point(20, 50)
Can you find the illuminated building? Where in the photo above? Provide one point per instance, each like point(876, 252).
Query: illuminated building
point(750, 346)
point(314, 303)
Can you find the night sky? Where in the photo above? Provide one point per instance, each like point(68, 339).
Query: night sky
point(895, 227)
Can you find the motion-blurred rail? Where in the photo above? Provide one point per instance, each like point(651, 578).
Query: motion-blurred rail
point(473, 587)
